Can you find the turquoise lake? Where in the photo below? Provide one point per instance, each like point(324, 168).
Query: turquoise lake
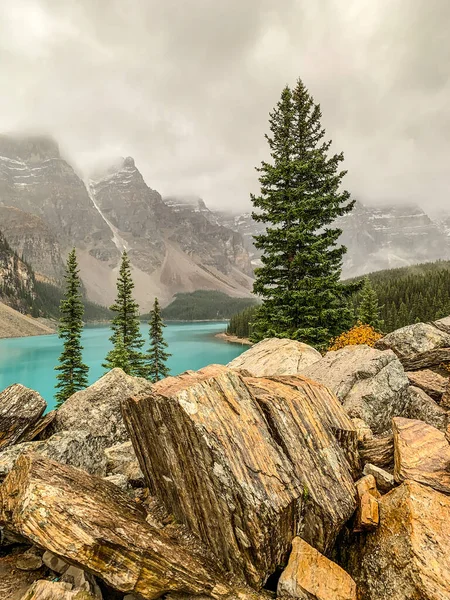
point(31, 360)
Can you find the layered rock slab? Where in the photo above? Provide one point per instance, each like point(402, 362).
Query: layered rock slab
point(422, 454)
point(275, 356)
point(311, 576)
point(92, 524)
point(406, 557)
point(20, 409)
point(371, 384)
point(254, 457)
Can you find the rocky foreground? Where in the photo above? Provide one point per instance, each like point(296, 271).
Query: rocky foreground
point(285, 474)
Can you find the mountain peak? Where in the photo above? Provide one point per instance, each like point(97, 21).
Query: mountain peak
point(33, 149)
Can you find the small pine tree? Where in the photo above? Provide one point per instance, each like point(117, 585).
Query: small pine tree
point(125, 326)
point(73, 373)
point(157, 356)
point(300, 200)
point(119, 356)
point(369, 309)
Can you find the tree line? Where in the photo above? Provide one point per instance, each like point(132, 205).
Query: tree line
point(389, 300)
point(127, 352)
point(204, 305)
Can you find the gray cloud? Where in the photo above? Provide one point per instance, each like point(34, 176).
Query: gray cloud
point(186, 87)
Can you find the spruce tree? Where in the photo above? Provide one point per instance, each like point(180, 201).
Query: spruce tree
point(118, 357)
point(126, 336)
point(157, 356)
point(369, 309)
point(299, 201)
point(73, 373)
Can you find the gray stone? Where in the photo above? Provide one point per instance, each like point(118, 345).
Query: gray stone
point(97, 409)
point(120, 480)
point(413, 340)
point(371, 384)
point(121, 459)
point(20, 409)
point(275, 356)
point(81, 581)
point(76, 448)
point(424, 408)
point(54, 563)
point(385, 481)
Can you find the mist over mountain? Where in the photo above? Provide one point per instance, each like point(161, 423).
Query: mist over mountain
point(48, 209)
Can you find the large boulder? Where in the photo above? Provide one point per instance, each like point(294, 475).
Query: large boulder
point(414, 340)
point(93, 525)
point(406, 557)
point(246, 463)
point(79, 449)
point(97, 409)
point(275, 356)
point(311, 576)
point(371, 384)
point(418, 346)
point(422, 454)
point(20, 409)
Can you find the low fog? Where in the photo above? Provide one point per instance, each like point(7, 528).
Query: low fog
point(186, 87)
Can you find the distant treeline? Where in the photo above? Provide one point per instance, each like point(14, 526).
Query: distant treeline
point(203, 305)
point(407, 295)
point(48, 298)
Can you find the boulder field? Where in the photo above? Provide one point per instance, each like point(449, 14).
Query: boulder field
point(286, 474)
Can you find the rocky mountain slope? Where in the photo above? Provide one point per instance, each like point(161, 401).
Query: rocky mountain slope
point(113, 212)
point(325, 478)
point(376, 237)
point(16, 324)
point(33, 240)
point(17, 283)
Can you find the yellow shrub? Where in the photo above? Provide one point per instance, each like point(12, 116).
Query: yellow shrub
point(359, 334)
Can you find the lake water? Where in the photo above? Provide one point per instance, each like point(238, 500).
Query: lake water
point(31, 360)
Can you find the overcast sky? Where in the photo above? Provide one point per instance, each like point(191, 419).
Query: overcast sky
point(185, 87)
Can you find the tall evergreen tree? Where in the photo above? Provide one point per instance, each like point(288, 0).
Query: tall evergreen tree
point(157, 355)
point(369, 309)
point(300, 199)
point(73, 373)
point(126, 336)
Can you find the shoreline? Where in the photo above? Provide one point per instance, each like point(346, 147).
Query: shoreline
point(233, 339)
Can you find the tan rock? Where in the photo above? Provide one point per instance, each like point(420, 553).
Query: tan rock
point(267, 459)
point(311, 576)
point(406, 557)
point(363, 431)
point(55, 590)
point(121, 460)
point(377, 451)
point(422, 453)
point(445, 400)
point(20, 409)
point(367, 514)
point(275, 356)
point(430, 382)
point(94, 525)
